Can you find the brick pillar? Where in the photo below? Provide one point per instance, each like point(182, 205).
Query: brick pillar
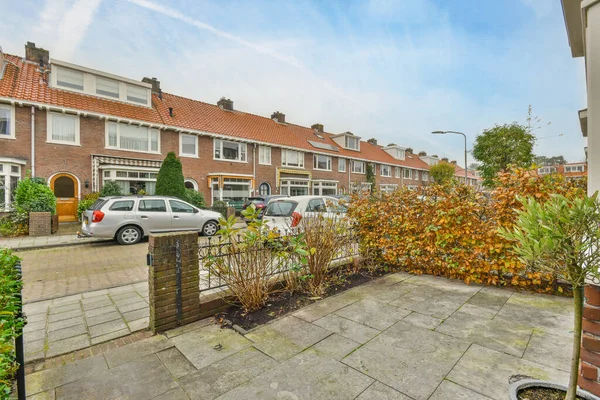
point(173, 261)
point(590, 341)
point(40, 224)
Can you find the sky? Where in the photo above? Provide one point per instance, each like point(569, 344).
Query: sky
point(393, 70)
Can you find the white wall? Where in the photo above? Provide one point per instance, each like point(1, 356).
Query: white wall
point(593, 91)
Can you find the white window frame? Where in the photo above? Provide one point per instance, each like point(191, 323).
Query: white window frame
point(192, 181)
point(328, 161)
point(407, 173)
point(574, 168)
point(118, 94)
point(348, 139)
point(12, 124)
point(49, 116)
point(363, 169)
point(284, 156)
point(389, 170)
point(189, 155)
point(7, 173)
point(119, 124)
point(397, 172)
point(241, 145)
point(424, 175)
point(56, 84)
point(318, 186)
point(264, 155)
point(341, 165)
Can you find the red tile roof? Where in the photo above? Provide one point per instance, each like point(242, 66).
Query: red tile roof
point(23, 81)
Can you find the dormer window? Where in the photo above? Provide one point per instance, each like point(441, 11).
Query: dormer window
point(395, 151)
point(352, 143)
point(107, 87)
point(137, 94)
point(69, 78)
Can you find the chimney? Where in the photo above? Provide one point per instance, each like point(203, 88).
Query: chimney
point(278, 117)
point(155, 84)
point(445, 159)
point(453, 162)
point(36, 54)
point(317, 127)
point(422, 153)
point(225, 104)
point(372, 141)
point(170, 111)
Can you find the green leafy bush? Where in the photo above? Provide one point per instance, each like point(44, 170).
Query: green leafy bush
point(170, 181)
point(87, 201)
point(219, 206)
point(10, 323)
point(195, 198)
point(14, 224)
point(111, 188)
point(34, 195)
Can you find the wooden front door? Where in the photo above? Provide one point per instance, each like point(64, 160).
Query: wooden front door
point(65, 189)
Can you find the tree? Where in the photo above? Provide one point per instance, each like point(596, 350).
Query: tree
point(169, 181)
point(561, 236)
point(195, 198)
point(549, 161)
point(110, 188)
point(502, 146)
point(371, 178)
point(442, 173)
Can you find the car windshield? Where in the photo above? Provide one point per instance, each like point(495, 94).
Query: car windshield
point(256, 200)
point(281, 209)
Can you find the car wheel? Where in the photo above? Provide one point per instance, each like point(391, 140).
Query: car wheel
point(129, 235)
point(210, 228)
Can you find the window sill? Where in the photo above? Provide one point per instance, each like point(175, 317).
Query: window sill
point(291, 166)
point(269, 164)
point(7, 137)
point(133, 151)
point(63, 143)
point(234, 161)
point(319, 169)
point(187, 155)
point(358, 173)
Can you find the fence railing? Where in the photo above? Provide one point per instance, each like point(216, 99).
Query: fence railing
point(272, 252)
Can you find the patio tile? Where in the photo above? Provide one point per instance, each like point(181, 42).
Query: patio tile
point(109, 336)
point(477, 311)
point(327, 306)
point(107, 327)
point(491, 298)
point(139, 324)
point(496, 335)
point(549, 349)
point(64, 308)
point(68, 345)
point(65, 323)
point(47, 395)
point(410, 359)
point(451, 391)
point(103, 318)
point(347, 328)
point(207, 345)
point(144, 378)
point(133, 351)
point(34, 346)
point(38, 382)
point(314, 377)
point(286, 337)
point(138, 305)
point(173, 394)
point(438, 302)
point(136, 314)
point(372, 313)
point(66, 332)
point(335, 346)
point(65, 315)
point(379, 391)
point(100, 310)
point(188, 328)
point(224, 375)
point(424, 321)
point(66, 300)
point(34, 335)
point(175, 362)
point(39, 307)
point(95, 293)
point(487, 371)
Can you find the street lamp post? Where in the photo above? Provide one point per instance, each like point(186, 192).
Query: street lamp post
point(465, 136)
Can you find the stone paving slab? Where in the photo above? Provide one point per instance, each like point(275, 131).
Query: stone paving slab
point(66, 324)
point(451, 391)
point(347, 328)
point(550, 349)
point(373, 314)
point(379, 391)
point(435, 301)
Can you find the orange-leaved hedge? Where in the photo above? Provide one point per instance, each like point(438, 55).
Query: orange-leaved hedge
point(452, 230)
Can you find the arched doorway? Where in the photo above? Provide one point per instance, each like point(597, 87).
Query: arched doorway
point(66, 189)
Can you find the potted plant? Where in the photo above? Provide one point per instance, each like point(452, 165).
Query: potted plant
point(561, 236)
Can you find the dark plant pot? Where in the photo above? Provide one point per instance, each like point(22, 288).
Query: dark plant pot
point(522, 384)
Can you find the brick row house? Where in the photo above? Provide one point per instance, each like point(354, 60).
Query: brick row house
point(79, 127)
point(570, 171)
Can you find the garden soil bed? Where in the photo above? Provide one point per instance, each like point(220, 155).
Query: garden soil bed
point(284, 303)
point(542, 394)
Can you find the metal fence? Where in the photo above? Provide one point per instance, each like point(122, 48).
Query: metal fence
point(275, 252)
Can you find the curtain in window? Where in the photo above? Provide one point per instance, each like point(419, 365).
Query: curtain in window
point(107, 87)
point(64, 128)
point(133, 138)
point(188, 145)
point(3, 199)
point(124, 187)
point(112, 134)
point(4, 121)
point(153, 140)
point(150, 187)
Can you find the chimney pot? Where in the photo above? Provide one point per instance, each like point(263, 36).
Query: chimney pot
point(36, 54)
point(155, 84)
point(279, 117)
point(318, 127)
point(372, 141)
point(225, 104)
point(170, 111)
point(453, 162)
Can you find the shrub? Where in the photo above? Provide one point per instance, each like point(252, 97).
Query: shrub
point(10, 323)
point(14, 224)
point(195, 198)
point(110, 188)
point(442, 173)
point(219, 206)
point(34, 195)
point(86, 202)
point(453, 230)
point(169, 181)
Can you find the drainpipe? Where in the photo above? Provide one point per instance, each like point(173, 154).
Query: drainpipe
point(32, 141)
point(348, 165)
point(254, 169)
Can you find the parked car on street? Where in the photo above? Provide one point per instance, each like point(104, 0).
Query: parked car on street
point(260, 202)
point(129, 218)
point(286, 213)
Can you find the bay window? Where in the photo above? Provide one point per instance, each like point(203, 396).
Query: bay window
point(321, 188)
point(132, 138)
point(10, 175)
point(7, 122)
point(358, 167)
point(294, 187)
point(322, 162)
point(62, 128)
point(188, 145)
point(132, 180)
point(264, 155)
point(229, 151)
point(291, 158)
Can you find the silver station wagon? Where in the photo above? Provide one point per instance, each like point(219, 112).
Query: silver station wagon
point(129, 218)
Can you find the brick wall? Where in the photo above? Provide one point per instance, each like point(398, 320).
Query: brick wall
point(590, 341)
point(40, 224)
point(163, 280)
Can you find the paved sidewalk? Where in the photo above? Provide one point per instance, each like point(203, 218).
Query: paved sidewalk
point(399, 337)
point(66, 324)
point(39, 242)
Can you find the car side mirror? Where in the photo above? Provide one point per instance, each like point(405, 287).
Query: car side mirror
point(196, 211)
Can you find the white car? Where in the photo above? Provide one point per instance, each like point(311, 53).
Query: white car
point(284, 214)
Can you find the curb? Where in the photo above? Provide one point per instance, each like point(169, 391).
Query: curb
point(55, 245)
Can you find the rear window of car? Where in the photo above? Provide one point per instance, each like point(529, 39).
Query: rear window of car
point(122, 205)
point(98, 204)
point(256, 201)
point(281, 208)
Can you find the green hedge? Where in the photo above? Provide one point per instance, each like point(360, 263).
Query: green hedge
point(10, 325)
